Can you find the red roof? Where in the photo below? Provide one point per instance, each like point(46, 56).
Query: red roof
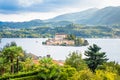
point(54, 61)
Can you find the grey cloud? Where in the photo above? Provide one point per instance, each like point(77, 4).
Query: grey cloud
point(12, 6)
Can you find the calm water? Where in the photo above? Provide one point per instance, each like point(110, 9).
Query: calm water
point(34, 45)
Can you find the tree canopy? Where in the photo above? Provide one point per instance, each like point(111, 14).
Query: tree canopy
point(94, 57)
point(75, 60)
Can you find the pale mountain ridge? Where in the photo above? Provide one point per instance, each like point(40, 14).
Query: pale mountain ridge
point(73, 17)
point(105, 16)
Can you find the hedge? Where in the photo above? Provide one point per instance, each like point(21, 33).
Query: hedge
point(35, 77)
point(19, 75)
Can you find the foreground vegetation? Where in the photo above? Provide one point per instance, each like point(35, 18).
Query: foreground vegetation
point(16, 65)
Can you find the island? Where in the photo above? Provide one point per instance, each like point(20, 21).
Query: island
point(66, 40)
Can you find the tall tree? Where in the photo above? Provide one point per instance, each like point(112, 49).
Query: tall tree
point(18, 54)
point(11, 52)
point(75, 60)
point(94, 57)
point(2, 63)
point(2, 66)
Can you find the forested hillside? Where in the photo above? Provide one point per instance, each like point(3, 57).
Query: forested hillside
point(76, 29)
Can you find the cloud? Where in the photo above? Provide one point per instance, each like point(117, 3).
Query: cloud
point(27, 3)
point(50, 5)
point(111, 3)
point(43, 9)
point(26, 16)
point(16, 6)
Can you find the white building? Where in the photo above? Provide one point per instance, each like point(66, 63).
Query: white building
point(60, 36)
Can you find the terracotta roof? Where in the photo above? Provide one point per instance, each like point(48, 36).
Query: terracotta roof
point(58, 62)
point(36, 61)
point(54, 61)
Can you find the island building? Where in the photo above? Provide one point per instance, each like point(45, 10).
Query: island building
point(60, 39)
point(60, 36)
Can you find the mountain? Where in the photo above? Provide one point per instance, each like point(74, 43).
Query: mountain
point(73, 17)
point(105, 16)
point(34, 23)
point(26, 24)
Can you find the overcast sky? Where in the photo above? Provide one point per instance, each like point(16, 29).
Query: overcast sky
point(25, 10)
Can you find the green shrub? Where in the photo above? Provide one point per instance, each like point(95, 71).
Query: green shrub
point(27, 78)
point(104, 75)
point(19, 75)
point(83, 75)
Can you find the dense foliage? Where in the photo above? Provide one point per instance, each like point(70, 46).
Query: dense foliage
point(74, 68)
point(78, 41)
point(75, 60)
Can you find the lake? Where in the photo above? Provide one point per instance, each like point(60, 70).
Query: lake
point(34, 45)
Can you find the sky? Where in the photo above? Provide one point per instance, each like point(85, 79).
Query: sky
point(25, 10)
